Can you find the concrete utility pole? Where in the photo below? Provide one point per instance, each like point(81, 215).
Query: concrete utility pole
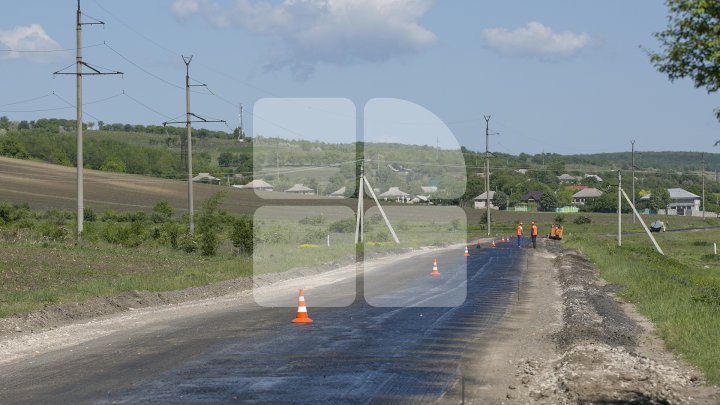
point(241, 135)
point(633, 175)
point(188, 126)
point(619, 209)
point(487, 170)
point(702, 158)
point(79, 111)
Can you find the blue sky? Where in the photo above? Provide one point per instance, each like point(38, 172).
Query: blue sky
point(563, 76)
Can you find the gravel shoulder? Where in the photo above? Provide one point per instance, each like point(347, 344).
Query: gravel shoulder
point(570, 339)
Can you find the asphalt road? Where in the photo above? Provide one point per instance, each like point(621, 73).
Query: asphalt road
point(406, 347)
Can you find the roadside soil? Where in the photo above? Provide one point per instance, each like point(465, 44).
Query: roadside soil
point(571, 340)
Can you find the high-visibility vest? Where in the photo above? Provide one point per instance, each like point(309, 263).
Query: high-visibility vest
point(533, 230)
point(519, 230)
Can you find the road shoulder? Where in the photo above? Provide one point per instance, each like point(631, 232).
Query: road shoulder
point(570, 339)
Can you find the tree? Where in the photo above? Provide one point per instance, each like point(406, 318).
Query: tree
point(691, 44)
point(659, 199)
point(548, 202)
point(500, 200)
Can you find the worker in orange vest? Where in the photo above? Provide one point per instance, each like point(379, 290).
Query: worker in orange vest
point(519, 232)
point(533, 234)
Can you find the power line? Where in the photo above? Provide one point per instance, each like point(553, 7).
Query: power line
point(27, 100)
point(147, 107)
point(48, 50)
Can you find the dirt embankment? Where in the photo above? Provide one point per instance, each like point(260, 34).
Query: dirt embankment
point(571, 340)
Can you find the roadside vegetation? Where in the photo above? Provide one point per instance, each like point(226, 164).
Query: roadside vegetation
point(120, 252)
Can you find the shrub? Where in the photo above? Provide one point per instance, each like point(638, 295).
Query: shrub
point(109, 216)
point(187, 242)
point(162, 212)
point(89, 215)
point(560, 219)
point(583, 219)
point(312, 236)
point(242, 235)
point(313, 220)
point(343, 226)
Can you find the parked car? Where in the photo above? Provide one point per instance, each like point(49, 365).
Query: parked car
point(657, 226)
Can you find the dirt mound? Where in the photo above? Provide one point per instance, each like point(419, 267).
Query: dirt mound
point(55, 315)
point(599, 373)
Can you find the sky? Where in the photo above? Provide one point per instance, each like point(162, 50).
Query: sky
point(560, 76)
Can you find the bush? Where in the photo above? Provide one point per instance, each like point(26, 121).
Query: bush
point(89, 215)
point(170, 234)
point(187, 243)
point(242, 235)
point(313, 220)
point(583, 219)
point(560, 219)
point(312, 236)
point(343, 226)
point(162, 212)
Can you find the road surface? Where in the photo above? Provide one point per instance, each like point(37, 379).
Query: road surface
point(406, 347)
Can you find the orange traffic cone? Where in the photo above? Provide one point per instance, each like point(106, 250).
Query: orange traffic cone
point(493, 243)
point(302, 316)
point(435, 271)
point(466, 252)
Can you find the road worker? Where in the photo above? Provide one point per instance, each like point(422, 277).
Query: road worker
point(533, 234)
point(552, 231)
point(519, 232)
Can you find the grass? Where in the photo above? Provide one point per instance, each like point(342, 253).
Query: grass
point(679, 292)
point(33, 276)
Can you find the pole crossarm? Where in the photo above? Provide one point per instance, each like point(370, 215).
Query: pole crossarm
point(95, 71)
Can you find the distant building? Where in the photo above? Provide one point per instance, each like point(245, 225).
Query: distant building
point(682, 202)
point(395, 193)
point(300, 189)
point(593, 176)
point(206, 178)
point(582, 196)
point(566, 178)
point(481, 201)
point(257, 184)
point(339, 192)
point(532, 197)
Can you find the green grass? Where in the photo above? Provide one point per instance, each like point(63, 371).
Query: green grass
point(679, 292)
point(33, 276)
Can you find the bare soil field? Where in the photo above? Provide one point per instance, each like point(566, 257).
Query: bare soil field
point(45, 186)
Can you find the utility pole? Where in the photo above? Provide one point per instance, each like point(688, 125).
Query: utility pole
point(702, 158)
point(79, 63)
point(487, 171)
point(633, 175)
point(188, 126)
point(619, 209)
point(241, 135)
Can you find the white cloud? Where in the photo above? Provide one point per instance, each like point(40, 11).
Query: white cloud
point(535, 39)
point(336, 32)
point(184, 8)
point(29, 42)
